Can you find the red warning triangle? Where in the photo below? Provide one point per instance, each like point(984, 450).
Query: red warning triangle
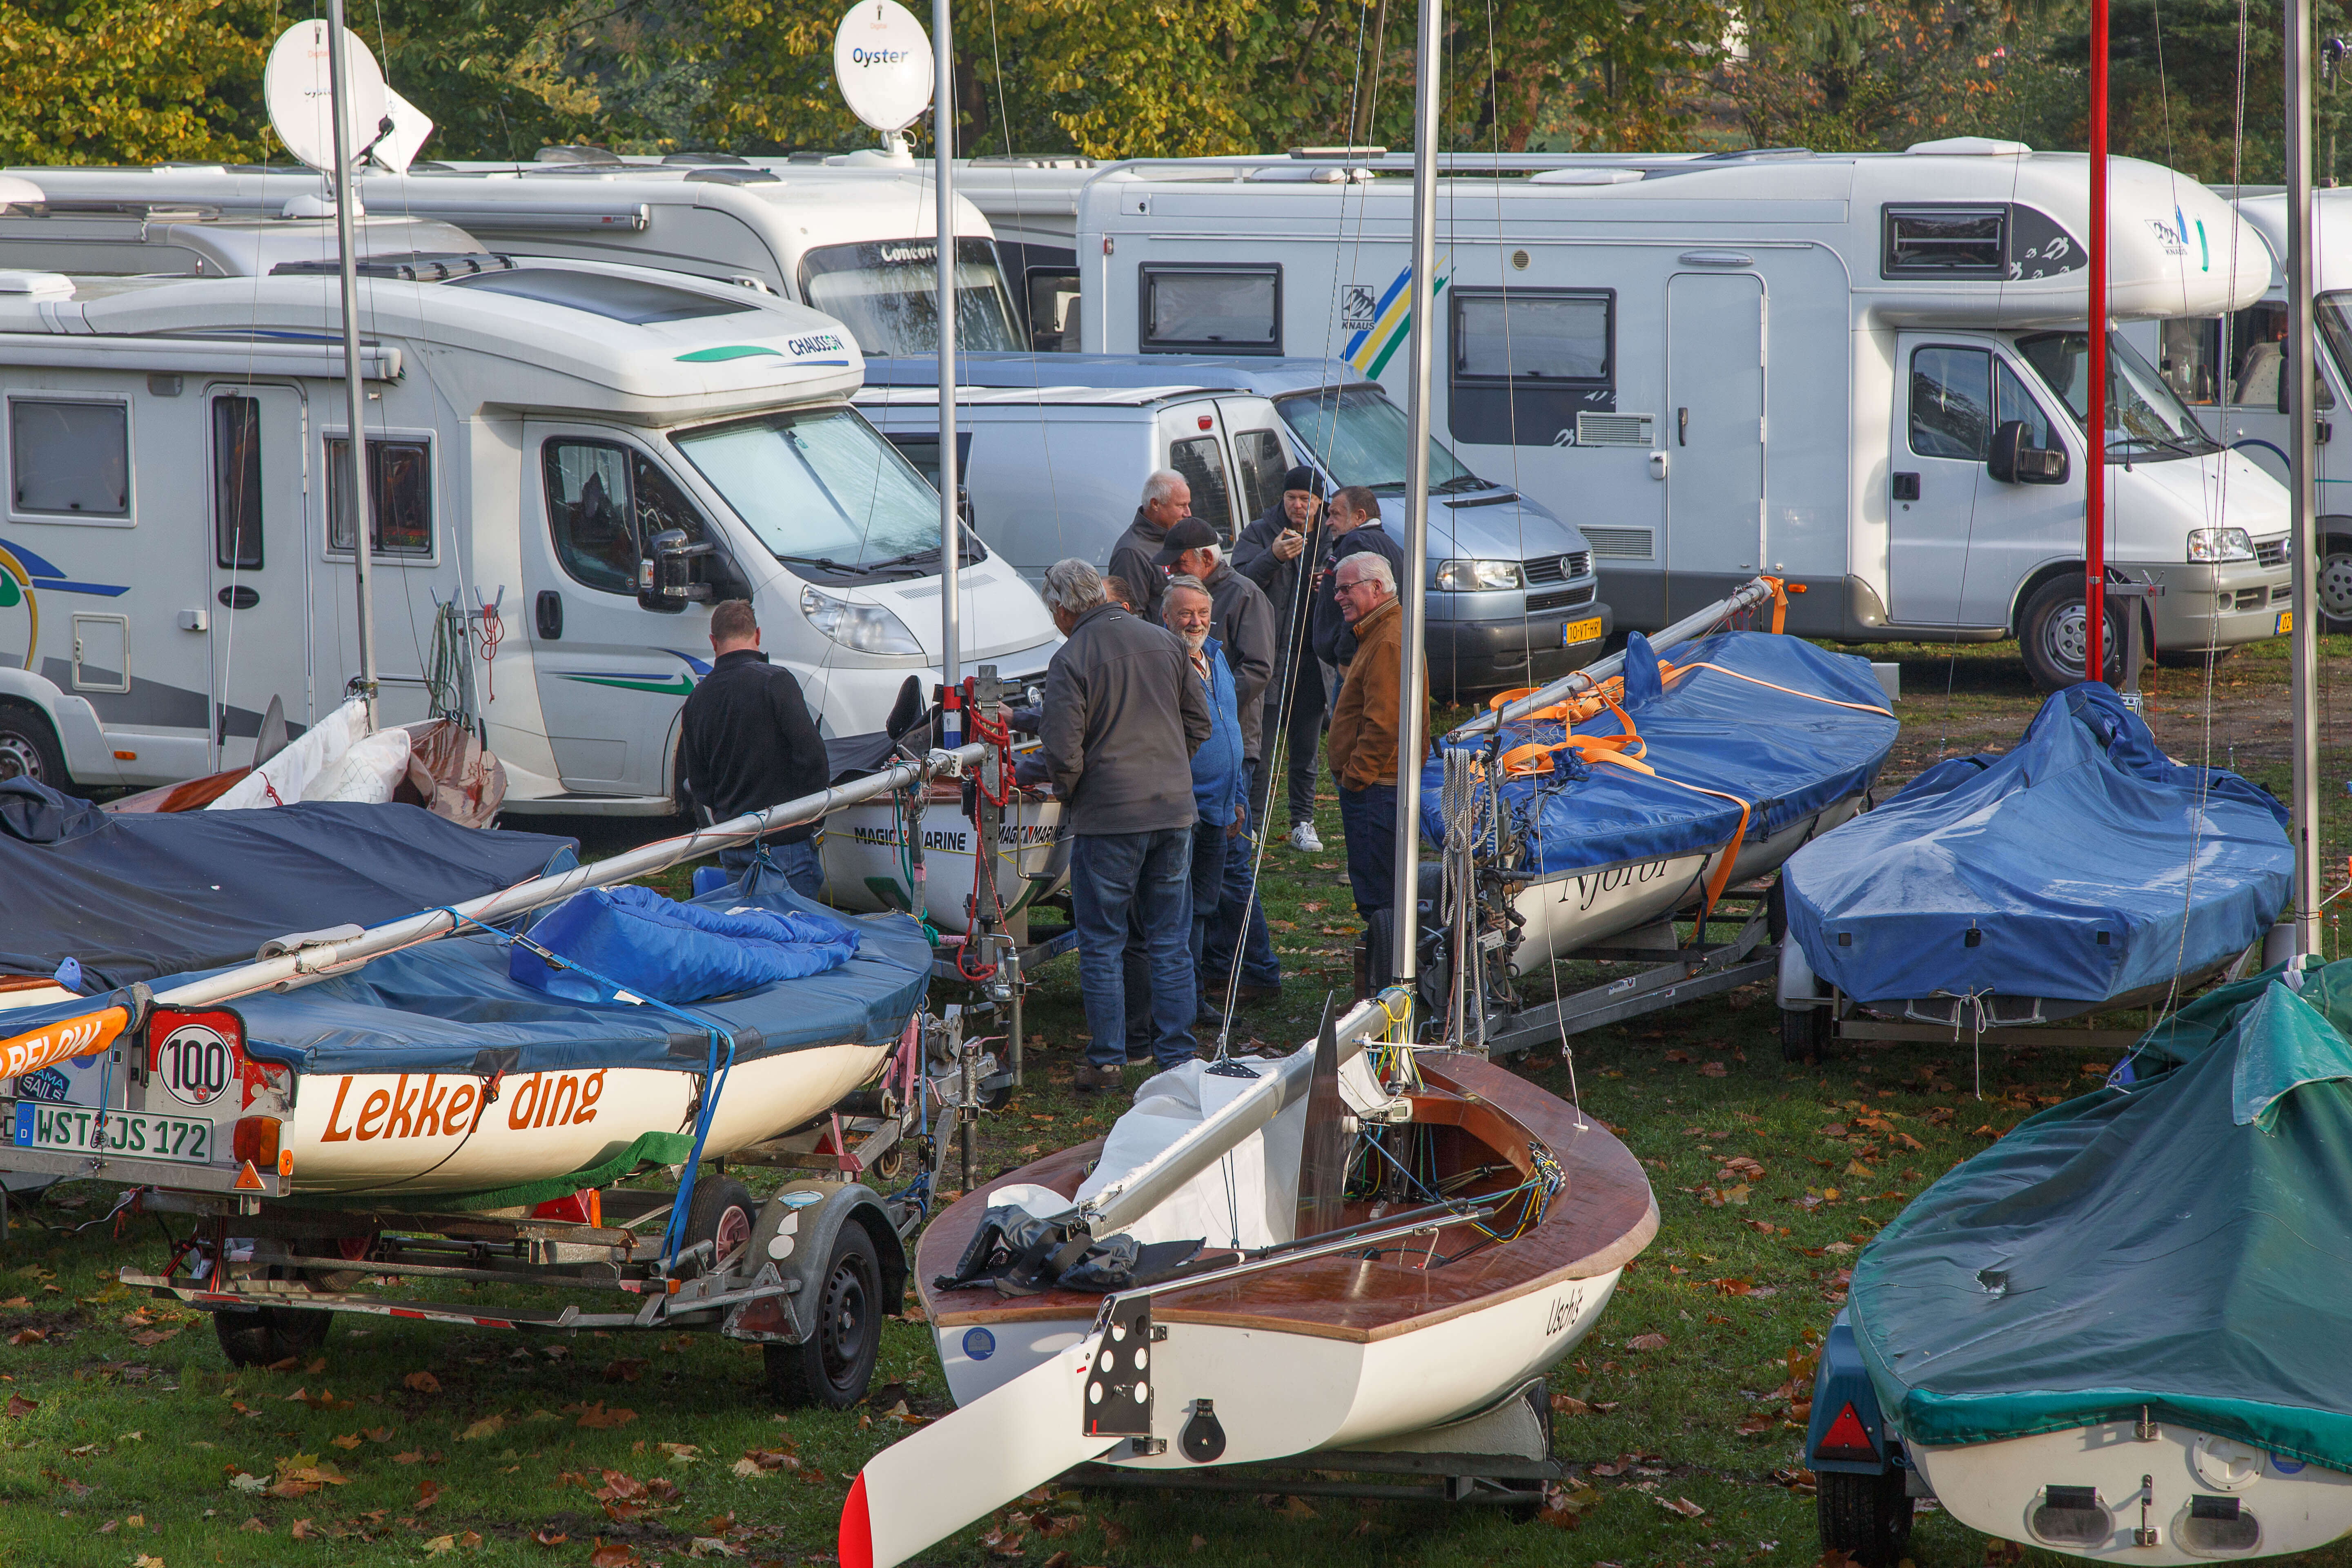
point(1846, 1435)
point(249, 1179)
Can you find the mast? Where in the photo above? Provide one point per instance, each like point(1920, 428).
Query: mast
point(2303, 643)
point(1412, 662)
point(2095, 479)
point(354, 395)
point(943, 181)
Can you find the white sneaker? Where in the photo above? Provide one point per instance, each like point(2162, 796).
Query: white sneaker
point(1303, 838)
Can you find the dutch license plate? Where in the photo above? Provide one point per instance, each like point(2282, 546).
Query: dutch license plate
point(2285, 623)
point(1582, 631)
point(75, 1129)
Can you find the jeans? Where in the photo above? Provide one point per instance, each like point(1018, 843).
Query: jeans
point(1259, 965)
point(1199, 901)
point(803, 870)
point(1147, 876)
point(1209, 846)
point(1303, 735)
point(1368, 816)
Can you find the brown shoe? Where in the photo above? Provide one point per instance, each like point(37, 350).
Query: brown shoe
point(1092, 1079)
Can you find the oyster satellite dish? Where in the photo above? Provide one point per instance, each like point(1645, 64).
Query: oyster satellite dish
point(298, 88)
point(882, 59)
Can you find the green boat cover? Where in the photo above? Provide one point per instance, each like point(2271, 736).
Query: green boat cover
point(2178, 1241)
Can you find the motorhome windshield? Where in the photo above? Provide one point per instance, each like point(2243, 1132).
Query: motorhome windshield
point(1358, 437)
point(2145, 420)
point(887, 291)
point(2336, 325)
point(820, 488)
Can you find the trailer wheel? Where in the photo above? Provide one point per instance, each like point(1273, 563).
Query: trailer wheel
point(29, 749)
point(1868, 1518)
point(833, 1368)
point(721, 1215)
point(1804, 1033)
point(270, 1335)
point(2054, 636)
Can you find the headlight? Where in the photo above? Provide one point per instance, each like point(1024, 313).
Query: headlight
point(868, 628)
point(2220, 545)
point(1468, 576)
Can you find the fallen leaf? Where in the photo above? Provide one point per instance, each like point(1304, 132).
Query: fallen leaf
point(348, 1440)
point(26, 1337)
point(596, 1416)
point(428, 1492)
point(255, 1526)
point(1714, 1069)
point(410, 1457)
point(487, 1426)
point(1753, 1422)
point(245, 1483)
point(614, 1554)
point(18, 1405)
point(1681, 1505)
point(421, 1383)
point(1564, 1507)
point(1296, 1508)
point(624, 1368)
point(469, 1539)
point(439, 1544)
point(302, 1530)
point(1646, 1343)
point(1568, 1404)
point(748, 1469)
point(144, 1561)
point(318, 1365)
point(549, 1538)
point(680, 1453)
point(620, 1486)
point(378, 1434)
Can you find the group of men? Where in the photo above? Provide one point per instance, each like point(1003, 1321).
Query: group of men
point(1182, 673)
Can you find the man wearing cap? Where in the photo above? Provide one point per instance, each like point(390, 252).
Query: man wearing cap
point(1167, 501)
point(1242, 622)
point(1276, 552)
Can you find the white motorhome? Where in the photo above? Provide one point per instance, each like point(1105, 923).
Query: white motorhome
point(1764, 361)
point(856, 243)
point(2230, 369)
point(553, 439)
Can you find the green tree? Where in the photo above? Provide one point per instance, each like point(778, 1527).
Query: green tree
point(131, 82)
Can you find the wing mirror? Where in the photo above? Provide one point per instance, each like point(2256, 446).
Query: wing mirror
point(666, 576)
point(2016, 461)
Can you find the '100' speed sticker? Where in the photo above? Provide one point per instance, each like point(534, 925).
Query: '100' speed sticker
point(195, 1065)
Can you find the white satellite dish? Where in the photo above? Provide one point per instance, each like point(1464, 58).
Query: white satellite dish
point(297, 85)
point(409, 128)
point(882, 59)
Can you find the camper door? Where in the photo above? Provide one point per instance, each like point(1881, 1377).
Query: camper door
point(258, 538)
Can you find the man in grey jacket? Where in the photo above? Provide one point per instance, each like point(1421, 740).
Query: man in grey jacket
point(1167, 500)
point(1122, 716)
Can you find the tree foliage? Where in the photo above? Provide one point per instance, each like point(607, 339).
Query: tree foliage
point(131, 82)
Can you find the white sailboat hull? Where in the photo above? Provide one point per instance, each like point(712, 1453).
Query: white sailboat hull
point(1575, 910)
point(865, 872)
point(1999, 1489)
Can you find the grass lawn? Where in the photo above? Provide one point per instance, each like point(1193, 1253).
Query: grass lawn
point(127, 1439)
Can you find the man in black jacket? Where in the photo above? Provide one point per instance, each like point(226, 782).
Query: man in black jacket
point(1355, 526)
point(1276, 553)
point(1167, 501)
point(747, 742)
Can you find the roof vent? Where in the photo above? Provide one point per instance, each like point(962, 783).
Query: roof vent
point(1968, 147)
point(604, 157)
point(1339, 151)
point(708, 160)
point(37, 285)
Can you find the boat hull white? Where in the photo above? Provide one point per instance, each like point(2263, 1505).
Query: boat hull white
point(2002, 1488)
point(1576, 909)
point(863, 853)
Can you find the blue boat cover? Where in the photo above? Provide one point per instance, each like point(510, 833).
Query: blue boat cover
point(1783, 725)
point(2173, 1243)
point(654, 946)
point(2087, 864)
point(135, 896)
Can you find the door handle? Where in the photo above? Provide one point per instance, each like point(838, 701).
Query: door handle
point(1907, 486)
point(1682, 426)
point(551, 615)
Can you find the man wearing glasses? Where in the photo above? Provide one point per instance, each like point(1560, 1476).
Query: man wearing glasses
point(1363, 744)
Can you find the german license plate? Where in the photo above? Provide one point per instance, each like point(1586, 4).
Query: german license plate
point(75, 1129)
point(1582, 631)
point(2285, 623)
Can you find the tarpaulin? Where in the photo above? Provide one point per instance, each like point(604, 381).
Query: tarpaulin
point(654, 946)
point(1755, 729)
point(2175, 1241)
point(135, 896)
point(2081, 865)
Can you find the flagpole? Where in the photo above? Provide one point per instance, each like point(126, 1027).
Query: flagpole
point(2095, 479)
point(1412, 662)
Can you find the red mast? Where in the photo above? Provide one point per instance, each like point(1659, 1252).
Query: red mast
point(2095, 479)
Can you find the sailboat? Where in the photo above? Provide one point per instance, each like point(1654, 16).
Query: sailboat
point(1362, 1256)
point(2116, 1334)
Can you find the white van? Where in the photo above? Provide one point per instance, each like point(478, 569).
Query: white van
point(1827, 367)
point(2230, 369)
point(858, 244)
point(554, 439)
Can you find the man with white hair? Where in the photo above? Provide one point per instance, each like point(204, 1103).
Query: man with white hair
point(1167, 501)
point(1364, 725)
point(1124, 711)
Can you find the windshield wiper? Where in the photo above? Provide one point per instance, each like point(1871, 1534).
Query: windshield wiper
point(1461, 482)
point(827, 562)
point(2184, 451)
point(928, 553)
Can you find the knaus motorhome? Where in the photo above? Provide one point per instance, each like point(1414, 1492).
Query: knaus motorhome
point(1825, 367)
point(553, 439)
point(858, 244)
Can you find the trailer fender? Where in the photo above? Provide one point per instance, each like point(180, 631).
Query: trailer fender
point(795, 1233)
point(1846, 1434)
point(88, 756)
point(1798, 986)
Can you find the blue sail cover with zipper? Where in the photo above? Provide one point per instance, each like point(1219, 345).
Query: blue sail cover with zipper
point(1785, 726)
point(2174, 1241)
point(2081, 865)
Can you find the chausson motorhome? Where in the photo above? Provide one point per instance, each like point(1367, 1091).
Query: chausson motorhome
point(856, 243)
point(2230, 369)
point(1827, 367)
point(554, 443)
point(1054, 451)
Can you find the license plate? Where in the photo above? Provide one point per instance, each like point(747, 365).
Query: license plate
point(75, 1129)
point(2285, 623)
point(1582, 631)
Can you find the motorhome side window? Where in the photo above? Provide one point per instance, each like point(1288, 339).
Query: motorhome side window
point(604, 502)
point(236, 483)
point(70, 459)
point(400, 495)
point(1525, 361)
point(1945, 242)
point(1210, 309)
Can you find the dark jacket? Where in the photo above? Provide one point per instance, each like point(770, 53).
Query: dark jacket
point(747, 742)
point(1131, 561)
point(1334, 643)
point(1282, 582)
point(1124, 712)
point(1240, 618)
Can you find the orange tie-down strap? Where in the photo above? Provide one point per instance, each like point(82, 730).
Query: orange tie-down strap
point(1529, 762)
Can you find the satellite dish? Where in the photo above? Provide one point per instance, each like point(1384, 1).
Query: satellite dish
point(297, 85)
point(882, 59)
point(411, 127)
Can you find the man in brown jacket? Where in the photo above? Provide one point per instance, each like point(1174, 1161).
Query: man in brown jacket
point(1364, 742)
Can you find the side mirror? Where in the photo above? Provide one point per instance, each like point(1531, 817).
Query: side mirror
point(2014, 461)
point(665, 575)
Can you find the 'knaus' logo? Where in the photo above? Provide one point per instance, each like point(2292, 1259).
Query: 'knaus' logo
point(542, 1100)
